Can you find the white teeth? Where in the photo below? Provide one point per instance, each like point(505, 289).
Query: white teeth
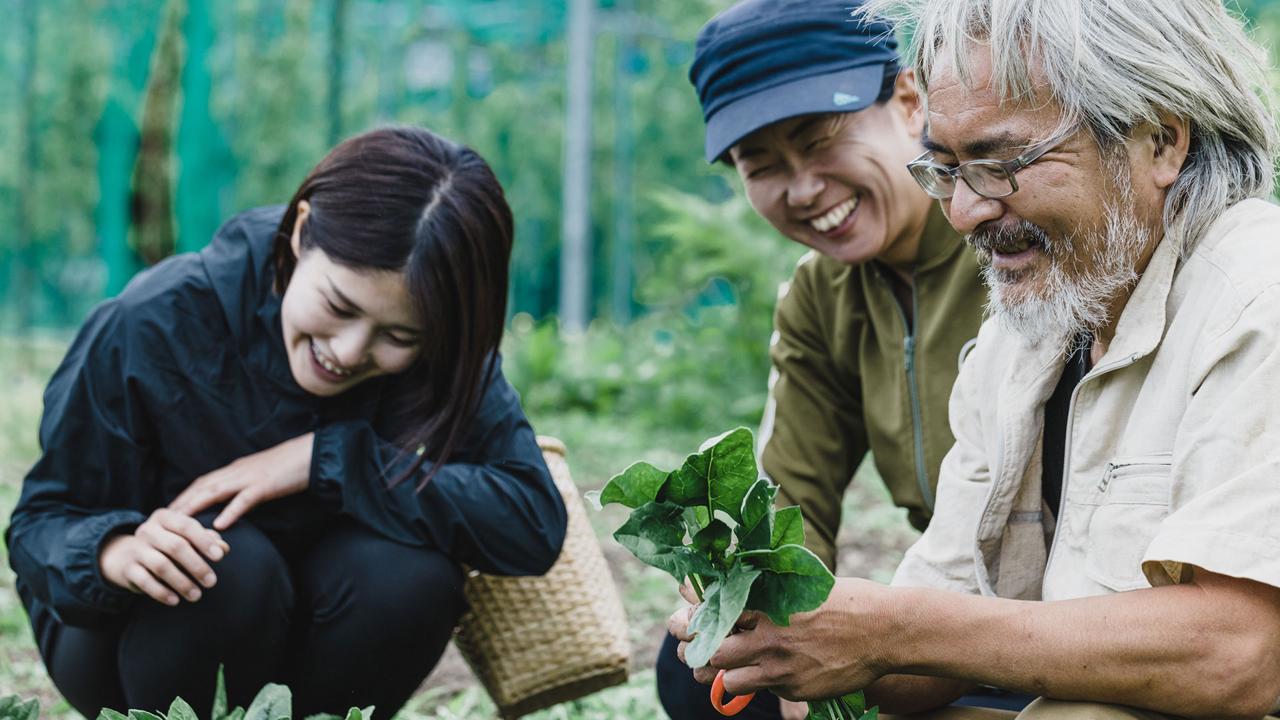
point(326, 364)
point(836, 215)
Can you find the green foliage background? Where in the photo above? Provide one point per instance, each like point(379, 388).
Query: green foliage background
point(260, 89)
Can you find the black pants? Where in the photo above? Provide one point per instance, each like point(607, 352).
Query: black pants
point(684, 698)
point(350, 619)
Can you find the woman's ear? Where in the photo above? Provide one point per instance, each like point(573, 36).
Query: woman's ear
point(907, 95)
point(304, 209)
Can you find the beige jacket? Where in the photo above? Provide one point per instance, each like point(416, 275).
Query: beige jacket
point(1173, 452)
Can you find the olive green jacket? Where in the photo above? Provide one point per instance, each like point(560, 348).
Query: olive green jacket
point(851, 376)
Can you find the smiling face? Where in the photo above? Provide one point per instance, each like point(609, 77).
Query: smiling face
point(838, 182)
point(343, 326)
point(1064, 251)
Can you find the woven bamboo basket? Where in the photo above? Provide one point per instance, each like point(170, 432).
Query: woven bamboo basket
point(535, 642)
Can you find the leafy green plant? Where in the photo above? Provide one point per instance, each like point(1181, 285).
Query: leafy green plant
point(13, 708)
point(713, 523)
point(273, 702)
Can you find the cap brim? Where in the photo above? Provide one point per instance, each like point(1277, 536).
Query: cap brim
point(847, 90)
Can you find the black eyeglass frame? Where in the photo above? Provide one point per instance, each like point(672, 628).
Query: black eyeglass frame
point(922, 167)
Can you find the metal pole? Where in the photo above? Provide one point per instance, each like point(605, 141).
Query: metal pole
point(575, 248)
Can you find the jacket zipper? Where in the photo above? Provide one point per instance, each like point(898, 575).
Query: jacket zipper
point(913, 392)
point(1066, 451)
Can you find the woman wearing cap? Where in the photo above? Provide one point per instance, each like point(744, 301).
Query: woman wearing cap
point(813, 111)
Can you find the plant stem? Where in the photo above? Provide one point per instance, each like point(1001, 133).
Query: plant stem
point(698, 588)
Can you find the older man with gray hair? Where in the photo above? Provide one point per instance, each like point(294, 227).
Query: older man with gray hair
point(1107, 530)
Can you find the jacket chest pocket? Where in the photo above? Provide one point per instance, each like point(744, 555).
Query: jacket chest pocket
point(1135, 494)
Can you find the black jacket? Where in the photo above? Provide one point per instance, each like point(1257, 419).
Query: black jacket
point(185, 372)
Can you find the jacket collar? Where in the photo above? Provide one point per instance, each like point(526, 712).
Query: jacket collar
point(238, 263)
point(1142, 321)
point(939, 243)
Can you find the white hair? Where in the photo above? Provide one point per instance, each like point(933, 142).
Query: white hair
point(1115, 64)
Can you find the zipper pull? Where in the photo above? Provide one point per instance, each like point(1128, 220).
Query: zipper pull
point(1107, 473)
point(909, 350)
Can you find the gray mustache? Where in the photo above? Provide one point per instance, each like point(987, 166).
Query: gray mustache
point(989, 237)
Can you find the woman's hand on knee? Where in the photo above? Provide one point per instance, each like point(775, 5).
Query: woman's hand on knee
point(165, 558)
point(250, 481)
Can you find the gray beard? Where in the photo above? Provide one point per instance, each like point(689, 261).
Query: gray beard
point(1076, 295)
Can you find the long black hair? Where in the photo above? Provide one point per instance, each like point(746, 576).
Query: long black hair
point(407, 200)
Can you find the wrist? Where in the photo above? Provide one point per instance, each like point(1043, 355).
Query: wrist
point(111, 545)
point(898, 609)
point(302, 448)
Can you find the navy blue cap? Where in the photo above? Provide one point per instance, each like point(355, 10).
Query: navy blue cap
point(762, 61)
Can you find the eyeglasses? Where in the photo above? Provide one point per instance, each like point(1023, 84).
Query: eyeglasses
point(989, 178)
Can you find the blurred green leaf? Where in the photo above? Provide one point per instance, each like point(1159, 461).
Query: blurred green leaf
point(180, 710)
point(273, 702)
point(13, 708)
point(219, 695)
point(635, 486)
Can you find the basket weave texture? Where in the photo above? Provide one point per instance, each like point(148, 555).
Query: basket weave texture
point(535, 642)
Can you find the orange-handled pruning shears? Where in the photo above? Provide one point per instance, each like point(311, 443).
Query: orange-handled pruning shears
point(734, 706)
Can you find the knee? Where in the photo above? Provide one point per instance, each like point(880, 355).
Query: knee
point(373, 577)
point(414, 581)
point(253, 574)
point(1047, 709)
point(677, 690)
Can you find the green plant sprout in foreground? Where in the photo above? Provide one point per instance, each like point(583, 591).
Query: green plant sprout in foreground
point(712, 522)
point(273, 702)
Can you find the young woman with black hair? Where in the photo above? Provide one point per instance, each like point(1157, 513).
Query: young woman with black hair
point(276, 453)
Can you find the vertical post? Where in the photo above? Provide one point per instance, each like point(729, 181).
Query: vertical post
point(575, 247)
point(337, 44)
point(196, 206)
point(23, 285)
point(623, 169)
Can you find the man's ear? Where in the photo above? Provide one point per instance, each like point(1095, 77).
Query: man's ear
point(1171, 142)
point(304, 209)
point(906, 94)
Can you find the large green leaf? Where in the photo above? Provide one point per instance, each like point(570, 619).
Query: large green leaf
point(273, 702)
point(732, 472)
point(143, 715)
point(718, 476)
point(795, 580)
point(654, 533)
point(108, 714)
point(715, 617)
point(687, 485)
point(788, 527)
point(635, 486)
